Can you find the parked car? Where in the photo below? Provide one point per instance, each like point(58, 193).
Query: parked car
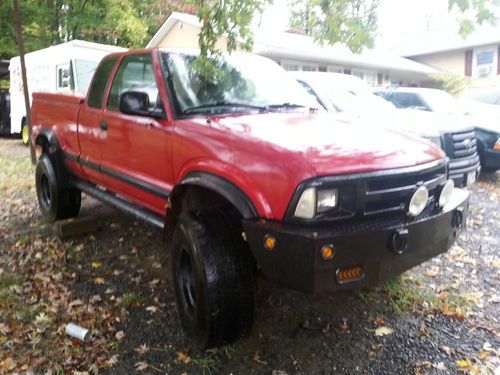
point(349, 94)
point(4, 113)
point(461, 146)
point(240, 171)
point(64, 68)
point(487, 124)
point(485, 95)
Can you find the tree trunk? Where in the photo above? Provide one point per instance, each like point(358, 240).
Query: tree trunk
point(20, 45)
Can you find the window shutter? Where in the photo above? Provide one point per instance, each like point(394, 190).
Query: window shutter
point(468, 63)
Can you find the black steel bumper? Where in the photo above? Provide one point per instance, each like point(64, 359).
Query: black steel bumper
point(378, 248)
point(491, 159)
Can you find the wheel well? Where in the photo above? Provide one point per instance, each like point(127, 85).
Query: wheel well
point(50, 146)
point(195, 198)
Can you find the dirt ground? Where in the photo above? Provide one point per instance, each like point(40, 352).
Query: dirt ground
point(439, 318)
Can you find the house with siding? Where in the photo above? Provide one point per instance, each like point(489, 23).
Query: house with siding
point(476, 56)
point(299, 52)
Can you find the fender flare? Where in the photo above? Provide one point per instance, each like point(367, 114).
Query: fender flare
point(217, 184)
point(47, 139)
point(48, 136)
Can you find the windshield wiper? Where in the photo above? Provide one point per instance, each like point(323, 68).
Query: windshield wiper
point(289, 106)
point(223, 104)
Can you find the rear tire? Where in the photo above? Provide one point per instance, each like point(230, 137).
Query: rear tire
point(25, 133)
point(212, 272)
point(55, 201)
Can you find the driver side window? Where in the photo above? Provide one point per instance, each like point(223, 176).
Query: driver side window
point(134, 74)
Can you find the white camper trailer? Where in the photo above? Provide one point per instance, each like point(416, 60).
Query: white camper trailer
point(67, 67)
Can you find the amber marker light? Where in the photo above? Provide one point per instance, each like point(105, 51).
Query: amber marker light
point(327, 252)
point(345, 275)
point(269, 242)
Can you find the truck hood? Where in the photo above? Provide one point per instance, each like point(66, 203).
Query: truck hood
point(330, 143)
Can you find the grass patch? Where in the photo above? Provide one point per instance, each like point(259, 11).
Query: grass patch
point(132, 300)
point(7, 280)
point(409, 295)
point(206, 365)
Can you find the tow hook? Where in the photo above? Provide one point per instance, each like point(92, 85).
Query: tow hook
point(458, 217)
point(399, 241)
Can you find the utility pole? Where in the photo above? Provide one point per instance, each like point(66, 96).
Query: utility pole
point(20, 46)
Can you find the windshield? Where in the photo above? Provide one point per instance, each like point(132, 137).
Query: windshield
point(441, 101)
point(244, 82)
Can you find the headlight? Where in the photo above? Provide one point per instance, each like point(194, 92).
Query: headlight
point(435, 140)
point(418, 201)
point(306, 208)
point(312, 202)
point(327, 199)
point(446, 193)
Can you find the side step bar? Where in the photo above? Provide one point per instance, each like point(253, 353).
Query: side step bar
point(113, 200)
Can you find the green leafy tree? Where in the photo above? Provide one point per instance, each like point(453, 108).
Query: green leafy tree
point(128, 23)
point(351, 22)
point(472, 13)
point(224, 19)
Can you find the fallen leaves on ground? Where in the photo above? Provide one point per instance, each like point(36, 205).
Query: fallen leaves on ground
point(383, 331)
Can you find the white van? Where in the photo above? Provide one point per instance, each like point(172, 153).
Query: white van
point(66, 67)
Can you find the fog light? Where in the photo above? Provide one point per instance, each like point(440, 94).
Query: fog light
point(446, 193)
point(327, 252)
point(345, 275)
point(269, 242)
point(418, 201)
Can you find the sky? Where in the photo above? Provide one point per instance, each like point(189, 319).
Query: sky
point(397, 18)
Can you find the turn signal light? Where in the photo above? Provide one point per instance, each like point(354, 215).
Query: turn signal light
point(327, 252)
point(269, 242)
point(345, 275)
point(496, 147)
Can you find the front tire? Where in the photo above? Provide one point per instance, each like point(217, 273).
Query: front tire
point(213, 279)
point(55, 201)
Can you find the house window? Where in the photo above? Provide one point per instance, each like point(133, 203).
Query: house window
point(63, 77)
point(299, 66)
point(484, 62)
point(335, 69)
point(369, 76)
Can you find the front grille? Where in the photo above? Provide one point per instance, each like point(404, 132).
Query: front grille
point(378, 195)
point(461, 148)
point(461, 145)
point(392, 194)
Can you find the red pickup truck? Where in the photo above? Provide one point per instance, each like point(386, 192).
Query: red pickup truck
point(242, 172)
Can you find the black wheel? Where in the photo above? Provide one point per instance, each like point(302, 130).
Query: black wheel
point(55, 201)
point(213, 279)
point(25, 133)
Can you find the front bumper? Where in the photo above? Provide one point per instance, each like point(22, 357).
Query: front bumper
point(296, 259)
point(459, 170)
point(491, 159)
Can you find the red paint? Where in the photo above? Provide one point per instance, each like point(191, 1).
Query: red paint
point(266, 155)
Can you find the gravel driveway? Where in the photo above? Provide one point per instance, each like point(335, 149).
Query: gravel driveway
point(439, 318)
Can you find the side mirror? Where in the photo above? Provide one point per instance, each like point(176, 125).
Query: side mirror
point(137, 103)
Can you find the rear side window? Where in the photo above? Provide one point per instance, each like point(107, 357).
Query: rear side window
point(134, 74)
point(101, 76)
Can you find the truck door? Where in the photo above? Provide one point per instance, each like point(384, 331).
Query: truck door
point(89, 121)
point(136, 150)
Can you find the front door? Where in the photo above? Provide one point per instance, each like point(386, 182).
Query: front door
point(136, 150)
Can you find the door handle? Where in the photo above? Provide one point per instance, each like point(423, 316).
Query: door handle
point(103, 125)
